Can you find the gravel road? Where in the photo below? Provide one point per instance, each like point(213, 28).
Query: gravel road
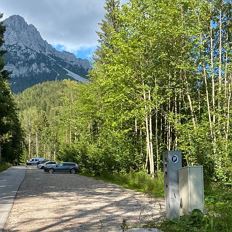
point(65, 202)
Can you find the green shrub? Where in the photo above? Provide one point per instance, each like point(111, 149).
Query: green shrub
point(4, 166)
point(218, 217)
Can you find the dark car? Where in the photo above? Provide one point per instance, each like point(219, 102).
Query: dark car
point(64, 167)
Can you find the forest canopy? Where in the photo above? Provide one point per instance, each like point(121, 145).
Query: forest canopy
point(161, 80)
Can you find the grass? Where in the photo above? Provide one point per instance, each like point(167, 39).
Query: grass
point(218, 216)
point(4, 166)
point(139, 181)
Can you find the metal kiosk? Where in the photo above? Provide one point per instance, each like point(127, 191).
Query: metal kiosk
point(172, 164)
point(191, 188)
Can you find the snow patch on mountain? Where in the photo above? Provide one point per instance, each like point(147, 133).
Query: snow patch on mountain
point(76, 77)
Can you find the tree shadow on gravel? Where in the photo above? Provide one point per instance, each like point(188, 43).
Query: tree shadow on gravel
point(77, 203)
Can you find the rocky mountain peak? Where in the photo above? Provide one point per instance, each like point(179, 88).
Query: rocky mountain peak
point(16, 22)
point(18, 32)
point(32, 60)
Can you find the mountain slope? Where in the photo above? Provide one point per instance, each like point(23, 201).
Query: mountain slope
point(32, 60)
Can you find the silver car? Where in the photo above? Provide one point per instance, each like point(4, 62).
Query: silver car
point(34, 161)
point(46, 164)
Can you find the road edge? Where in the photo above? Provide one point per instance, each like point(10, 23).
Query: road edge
point(12, 192)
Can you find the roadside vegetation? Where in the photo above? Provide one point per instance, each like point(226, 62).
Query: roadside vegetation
point(4, 166)
point(217, 215)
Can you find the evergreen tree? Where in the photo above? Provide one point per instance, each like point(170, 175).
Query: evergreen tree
point(10, 130)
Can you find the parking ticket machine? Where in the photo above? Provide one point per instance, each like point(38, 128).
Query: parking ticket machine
point(172, 163)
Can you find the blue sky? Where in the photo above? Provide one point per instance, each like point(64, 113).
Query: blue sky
point(85, 52)
point(82, 52)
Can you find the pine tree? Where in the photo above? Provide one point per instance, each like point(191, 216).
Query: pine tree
point(10, 130)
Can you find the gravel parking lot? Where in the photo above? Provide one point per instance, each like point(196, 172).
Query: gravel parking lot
point(65, 202)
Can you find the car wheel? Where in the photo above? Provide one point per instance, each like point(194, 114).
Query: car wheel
point(51, 171)
point(73, 171)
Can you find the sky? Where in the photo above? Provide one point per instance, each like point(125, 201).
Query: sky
point(69, 25)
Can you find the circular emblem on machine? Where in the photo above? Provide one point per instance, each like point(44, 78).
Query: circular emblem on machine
point(175, 159)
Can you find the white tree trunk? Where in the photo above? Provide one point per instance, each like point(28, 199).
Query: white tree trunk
point(152, 171)
point(29, 146)
point(37, 144)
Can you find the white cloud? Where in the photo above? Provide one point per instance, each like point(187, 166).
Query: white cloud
point(72, 23)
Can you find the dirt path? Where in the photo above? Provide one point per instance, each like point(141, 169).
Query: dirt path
point(65, 202)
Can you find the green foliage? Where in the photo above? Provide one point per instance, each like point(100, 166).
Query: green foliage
point(161, 80)
point(156, 80)
point(196, 221)
point(47, 118)
point(11, 136)
point(98, 159)
point(218, 204)
point(4, 166)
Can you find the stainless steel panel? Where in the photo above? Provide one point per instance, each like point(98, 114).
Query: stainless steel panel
point(191, 188)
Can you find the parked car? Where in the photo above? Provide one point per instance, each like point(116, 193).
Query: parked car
point(43, 161)
point(46, 163)
point(34, 161)
point(64, 167)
